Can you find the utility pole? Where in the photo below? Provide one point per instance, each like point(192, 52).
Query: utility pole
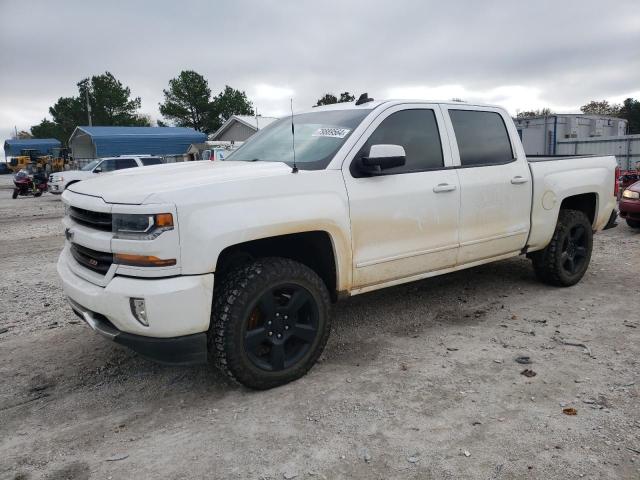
point(15, 127)
point(257, 126)
point(88, 105)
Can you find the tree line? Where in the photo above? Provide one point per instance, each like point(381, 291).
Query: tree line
point(188, 102)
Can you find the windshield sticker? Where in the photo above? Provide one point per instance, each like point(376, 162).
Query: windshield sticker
point(331, 132)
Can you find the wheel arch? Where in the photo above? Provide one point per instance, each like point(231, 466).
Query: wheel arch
point(586, 203)
point(316, 249)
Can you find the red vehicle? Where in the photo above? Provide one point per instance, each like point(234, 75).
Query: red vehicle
point(26, 184)
point(630, 205)
point(627, 178)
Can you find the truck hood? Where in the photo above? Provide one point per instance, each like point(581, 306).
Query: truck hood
point(154, 184)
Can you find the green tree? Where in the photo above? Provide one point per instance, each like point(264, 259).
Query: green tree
point(630, 111)
point(602, 107)
point(227, 103)
point(543, 112)
point(110, 102)
point(187, 101)
point(46, 129)
point(330, 99)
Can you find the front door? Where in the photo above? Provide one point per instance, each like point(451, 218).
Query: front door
point(404, 222)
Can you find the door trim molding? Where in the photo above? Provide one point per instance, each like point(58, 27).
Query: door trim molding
point(495, 237)
point(401, 256)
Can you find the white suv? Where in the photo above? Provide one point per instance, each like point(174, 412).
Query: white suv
point(58, 182)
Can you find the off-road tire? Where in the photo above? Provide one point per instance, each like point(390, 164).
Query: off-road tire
point(239, 289)
point(548, 264)
point(633, 223)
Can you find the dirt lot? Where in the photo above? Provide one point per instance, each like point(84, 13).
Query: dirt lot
point(417, 381)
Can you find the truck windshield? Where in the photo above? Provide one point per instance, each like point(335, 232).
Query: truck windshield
point(89, 166)
point(318, 136)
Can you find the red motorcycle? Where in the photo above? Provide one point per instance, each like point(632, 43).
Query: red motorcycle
point(26, 184)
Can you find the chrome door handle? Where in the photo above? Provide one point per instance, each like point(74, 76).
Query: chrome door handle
point(518, 180)
point(444, 187)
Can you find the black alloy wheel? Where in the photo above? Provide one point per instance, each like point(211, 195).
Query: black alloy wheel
point(281, 327)
point(574, 250)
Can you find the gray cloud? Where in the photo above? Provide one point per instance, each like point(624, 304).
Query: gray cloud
point(525, 55)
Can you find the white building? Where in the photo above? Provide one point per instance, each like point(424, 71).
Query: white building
point(239, 128)
point(540, 135)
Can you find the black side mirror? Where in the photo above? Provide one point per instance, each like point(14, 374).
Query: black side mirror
point(382, 157)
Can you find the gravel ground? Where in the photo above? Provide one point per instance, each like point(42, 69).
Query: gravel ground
point(417, 381)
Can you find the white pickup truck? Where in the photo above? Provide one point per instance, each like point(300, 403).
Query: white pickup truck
point(238, 261)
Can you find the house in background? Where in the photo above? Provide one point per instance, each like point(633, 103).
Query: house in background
point(239, 128)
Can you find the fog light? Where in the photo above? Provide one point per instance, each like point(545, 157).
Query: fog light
point(139, 310)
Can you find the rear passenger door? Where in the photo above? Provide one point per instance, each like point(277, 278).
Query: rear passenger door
point(495, 185)
point(404, 222)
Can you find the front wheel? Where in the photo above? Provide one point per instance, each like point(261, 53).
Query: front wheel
point(14, 195)
point(270, 322)
point(633, 223)
point(565, 260)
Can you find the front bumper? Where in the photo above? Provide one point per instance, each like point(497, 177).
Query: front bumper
point(629, 209)
point(177, 308)
point(56, 188)
point(184, 350)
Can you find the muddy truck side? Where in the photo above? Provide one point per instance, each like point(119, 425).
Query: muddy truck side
point(237, 262)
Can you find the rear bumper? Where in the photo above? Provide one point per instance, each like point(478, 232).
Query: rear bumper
point(184, 350)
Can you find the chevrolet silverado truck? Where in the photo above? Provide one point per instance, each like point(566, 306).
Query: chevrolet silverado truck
point(237, 262)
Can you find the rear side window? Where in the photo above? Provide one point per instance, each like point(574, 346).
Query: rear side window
point(482, 138)
point(151, 161)
point(417, 132)
point(123, 163)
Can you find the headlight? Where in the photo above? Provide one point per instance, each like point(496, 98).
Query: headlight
point(630, 194)
point(140, 227)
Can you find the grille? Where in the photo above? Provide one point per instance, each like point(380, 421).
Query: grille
point(97, 220)
point(97, 261)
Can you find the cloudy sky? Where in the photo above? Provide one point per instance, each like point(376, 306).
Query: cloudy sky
point(522, 55)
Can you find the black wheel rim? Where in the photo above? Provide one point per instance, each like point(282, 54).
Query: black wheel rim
point(281, 327)
point(574, 250)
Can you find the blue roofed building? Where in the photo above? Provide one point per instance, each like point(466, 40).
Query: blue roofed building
point(96, 142)
point(45, 146)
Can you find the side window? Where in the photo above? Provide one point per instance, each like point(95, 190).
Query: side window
point(482, 138)
point(417, 131)
point(123, 163)
point(107, 166)
point(151, 161)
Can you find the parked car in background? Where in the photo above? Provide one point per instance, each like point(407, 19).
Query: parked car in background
point(4, 168)
point(58, 182)
point(377, 194)
point(629, 205)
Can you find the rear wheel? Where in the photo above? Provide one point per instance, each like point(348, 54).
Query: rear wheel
point(633, 223)
point(566, 259)
point(270, 322)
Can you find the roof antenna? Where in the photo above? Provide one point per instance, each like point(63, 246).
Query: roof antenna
point(293, 141)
